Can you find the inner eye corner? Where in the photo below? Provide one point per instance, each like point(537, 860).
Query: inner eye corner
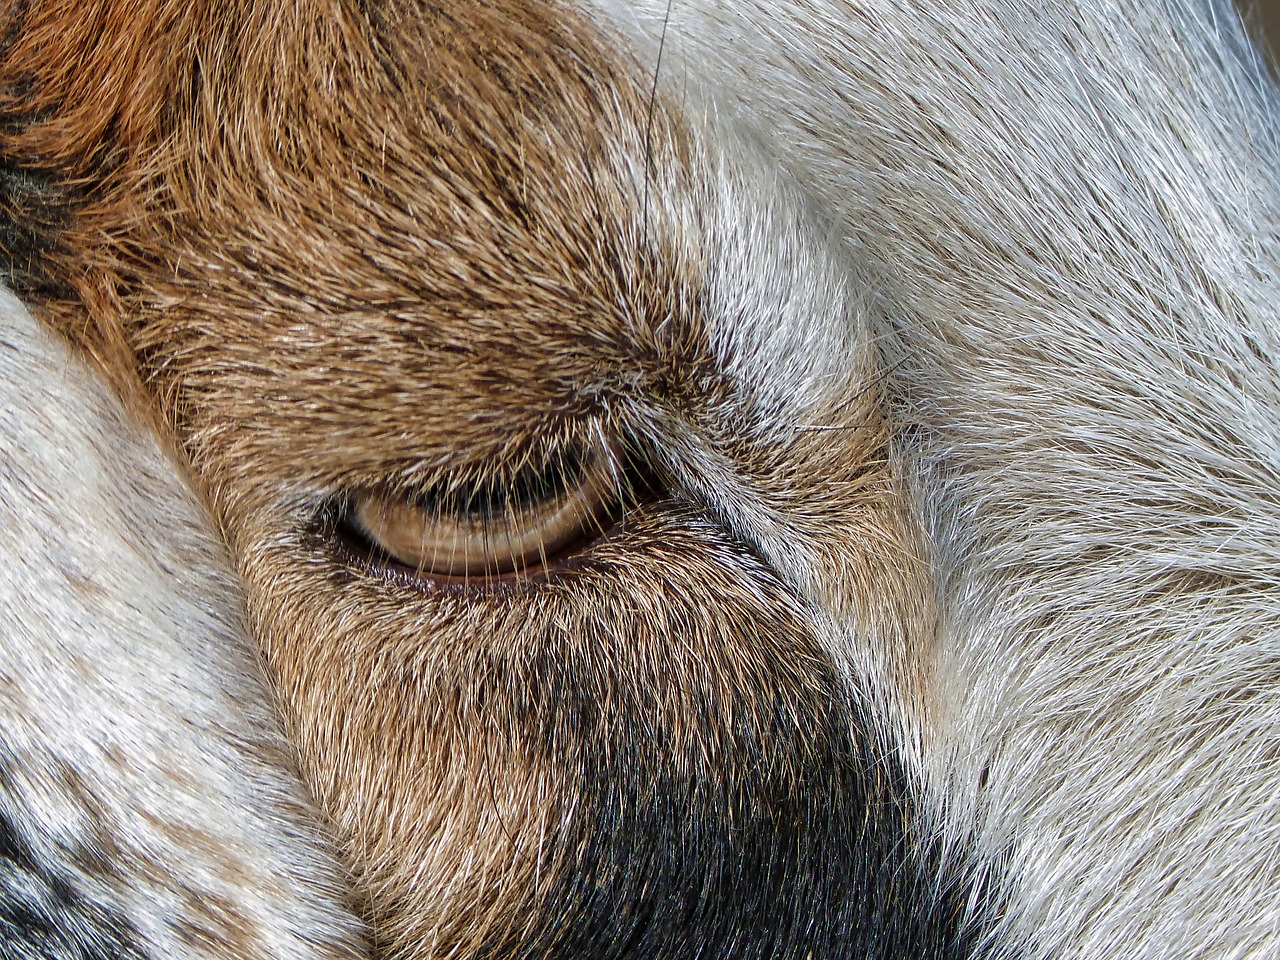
point(484, 528)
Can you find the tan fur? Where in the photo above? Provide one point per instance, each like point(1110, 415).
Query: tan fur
point(342, 254)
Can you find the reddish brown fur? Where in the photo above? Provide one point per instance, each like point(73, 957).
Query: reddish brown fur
point(329, 298)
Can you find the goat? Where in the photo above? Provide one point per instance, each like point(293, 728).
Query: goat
point(717, 478)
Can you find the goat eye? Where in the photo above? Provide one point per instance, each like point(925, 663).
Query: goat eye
point(508, 523)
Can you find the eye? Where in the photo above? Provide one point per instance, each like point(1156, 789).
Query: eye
point(489, 525)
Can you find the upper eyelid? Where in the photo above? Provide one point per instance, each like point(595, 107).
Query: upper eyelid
point(455, 481)
point(480, 495)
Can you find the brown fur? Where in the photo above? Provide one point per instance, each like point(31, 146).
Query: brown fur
point(344, 249)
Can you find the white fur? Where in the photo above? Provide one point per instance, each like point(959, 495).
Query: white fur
point(1068, 216)
point(138, 733)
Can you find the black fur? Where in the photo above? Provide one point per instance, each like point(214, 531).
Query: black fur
point(799, 841)
point(42, 917)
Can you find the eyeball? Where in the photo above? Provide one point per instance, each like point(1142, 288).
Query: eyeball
point(493, 524)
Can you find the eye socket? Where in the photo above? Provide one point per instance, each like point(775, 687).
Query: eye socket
point(466, 528)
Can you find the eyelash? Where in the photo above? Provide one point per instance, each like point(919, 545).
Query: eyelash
point(484, 530)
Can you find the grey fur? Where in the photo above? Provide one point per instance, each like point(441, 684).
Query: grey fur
point(1068, 221)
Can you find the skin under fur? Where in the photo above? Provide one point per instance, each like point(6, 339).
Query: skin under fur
point(933, 348)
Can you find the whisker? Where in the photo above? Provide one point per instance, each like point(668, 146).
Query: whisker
point(648, 132)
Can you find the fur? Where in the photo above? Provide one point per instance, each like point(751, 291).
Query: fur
point(148, 804)
point(940, 341)
point(1069, 219)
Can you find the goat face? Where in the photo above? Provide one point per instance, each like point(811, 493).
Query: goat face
point(818, 502)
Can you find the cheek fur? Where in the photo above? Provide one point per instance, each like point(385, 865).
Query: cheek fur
point(574, 767)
